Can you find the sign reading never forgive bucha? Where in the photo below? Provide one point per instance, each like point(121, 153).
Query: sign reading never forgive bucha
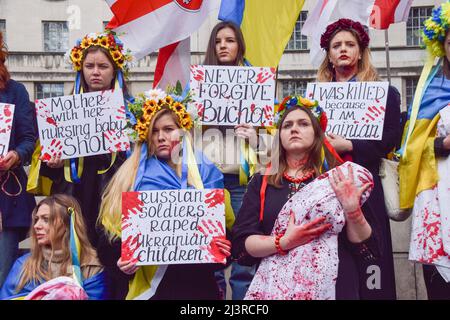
point(173, 226)
point(81, 125)
point(6, 121)
point(355, 110)
point(229, 95)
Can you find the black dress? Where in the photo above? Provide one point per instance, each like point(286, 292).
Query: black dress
point(377, 280)
point(247, 223)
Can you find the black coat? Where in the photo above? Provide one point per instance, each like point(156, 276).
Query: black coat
point(368, 153)
point(16, 211)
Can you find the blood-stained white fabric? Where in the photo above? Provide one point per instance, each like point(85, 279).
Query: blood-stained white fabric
point(430, 235)
point(308, 271)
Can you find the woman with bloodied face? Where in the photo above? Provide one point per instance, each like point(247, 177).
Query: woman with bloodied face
point(15, 203)
point(301, 219)
point(162, 127)
point(101, 63)
point(347, 59)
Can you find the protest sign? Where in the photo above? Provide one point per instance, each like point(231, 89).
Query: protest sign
point(355, 110)
point(173, 226)
point(81, 125)
point(226, 95)
point(445, 118)
point(6, 121)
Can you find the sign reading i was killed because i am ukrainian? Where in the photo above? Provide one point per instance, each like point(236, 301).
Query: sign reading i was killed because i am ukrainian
point(173, 226)
point(6, 120)
point(355, 110)
point(229, 95)
point(81, 125)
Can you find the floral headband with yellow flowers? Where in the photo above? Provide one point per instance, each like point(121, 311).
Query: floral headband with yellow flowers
point(108, 40)
point(148, 104)
point(313, 106)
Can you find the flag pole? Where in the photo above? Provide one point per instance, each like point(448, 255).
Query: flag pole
point(388, 64)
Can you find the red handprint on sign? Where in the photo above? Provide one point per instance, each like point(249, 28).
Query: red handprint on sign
point(53, 150)
point(214, 198)
point(263, 76)
point(219, 247)
point(197, 73)
point(116, 144)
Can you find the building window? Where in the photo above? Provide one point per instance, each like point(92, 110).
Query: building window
point(3, 28)
point(294, 87)
point(49, 90)
point(417, 15)
point(56, 36)
point(410, 85)
point(298, 41)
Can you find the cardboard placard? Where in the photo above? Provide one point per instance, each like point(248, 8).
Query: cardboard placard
point(81, 125)
point(6, 121)
point(173, 226)
point(228, 95)
point(355, 110)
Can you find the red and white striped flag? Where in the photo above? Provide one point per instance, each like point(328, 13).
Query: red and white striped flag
point(173, 65)
point(378, 14)
point(144, 26)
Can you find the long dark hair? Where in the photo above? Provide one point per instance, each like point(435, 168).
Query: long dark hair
point(211, 55)
point(4, 73)
point(314, 161)
point(108, 55)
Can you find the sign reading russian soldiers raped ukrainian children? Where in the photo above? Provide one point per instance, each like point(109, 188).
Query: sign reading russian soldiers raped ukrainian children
point(225, 95)
point(173, 226)
point(6, 120)
point(81, 125)
point(355, 110)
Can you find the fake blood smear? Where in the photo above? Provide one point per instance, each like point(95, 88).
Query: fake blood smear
point(51, 121)
point(129, 247)
point(214, 198)
point(7, 112)
point(131, 203)
point(215, 252)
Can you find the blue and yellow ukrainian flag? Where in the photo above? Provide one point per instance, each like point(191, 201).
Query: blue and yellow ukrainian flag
point(418, 166)
point(267, 26)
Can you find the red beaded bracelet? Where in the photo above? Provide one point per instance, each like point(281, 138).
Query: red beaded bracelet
point(278, 246)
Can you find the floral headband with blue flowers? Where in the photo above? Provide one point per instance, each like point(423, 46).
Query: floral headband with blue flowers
point(313, 106)
point(435, 28)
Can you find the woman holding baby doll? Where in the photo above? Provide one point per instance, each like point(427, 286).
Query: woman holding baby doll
point(263, 234)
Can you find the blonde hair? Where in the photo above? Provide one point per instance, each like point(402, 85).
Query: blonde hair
point(110, 215)
point(366, 70)
point(35, 269)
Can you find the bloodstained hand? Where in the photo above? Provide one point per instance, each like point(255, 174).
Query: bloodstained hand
point(348, 194)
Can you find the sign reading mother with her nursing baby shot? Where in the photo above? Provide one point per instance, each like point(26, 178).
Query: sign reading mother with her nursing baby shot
point(173, 226)
point(81, 125)
point(355, 110)
point(229, 95)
